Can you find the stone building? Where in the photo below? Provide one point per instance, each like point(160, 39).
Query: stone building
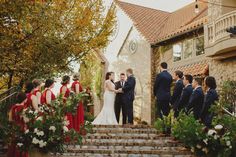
point(194, 41)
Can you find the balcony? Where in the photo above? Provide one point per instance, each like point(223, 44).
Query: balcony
point(218, 43)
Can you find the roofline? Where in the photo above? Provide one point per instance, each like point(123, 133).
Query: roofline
point(177, 35)
point(123, 44)
point(117, 3)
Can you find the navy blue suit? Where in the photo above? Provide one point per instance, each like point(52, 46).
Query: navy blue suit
point(210, 98)
point(162, 92)
point(128, 98)
point(176, 94)
point(196, 102)
point(184, 98)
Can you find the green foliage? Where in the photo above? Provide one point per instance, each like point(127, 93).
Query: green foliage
point(164, 125)
point(92, 71)
point(188, 130)
point(214, 142)
point(228, 96)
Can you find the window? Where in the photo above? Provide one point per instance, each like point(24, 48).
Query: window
point(177, 51)
point(199, 45)
point(188, 48)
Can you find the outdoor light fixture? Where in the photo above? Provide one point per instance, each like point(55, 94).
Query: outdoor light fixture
point(232, 31)
point(196, 8)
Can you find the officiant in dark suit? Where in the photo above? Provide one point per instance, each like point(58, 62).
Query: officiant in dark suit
point(162, 91)
point(119, 102)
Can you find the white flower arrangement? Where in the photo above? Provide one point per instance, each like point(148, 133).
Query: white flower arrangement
point(36, 130)
point(39, 118)
point(205, 150)
point(19, 144)
point(205, 141)
point(218, 127)
point(42, 144)
point(66, 122)
point(216, 137)
point(35, 141)
point(27, 131)
point(52, 128)
point(211, 132)
point(40, 133)
point(65, 129)
point(228, 143)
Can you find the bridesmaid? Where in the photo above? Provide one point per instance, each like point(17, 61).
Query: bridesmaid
point(79, 117)
point(31, 98)
point(47, 95)
point(65, 92)
point(37, 90)
point(15, 117)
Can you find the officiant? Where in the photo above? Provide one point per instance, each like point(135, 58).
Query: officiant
point(119, 102)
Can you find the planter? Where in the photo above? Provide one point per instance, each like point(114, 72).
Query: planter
point(37, 153)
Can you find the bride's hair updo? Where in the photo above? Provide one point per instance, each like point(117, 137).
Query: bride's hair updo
point(108, 74)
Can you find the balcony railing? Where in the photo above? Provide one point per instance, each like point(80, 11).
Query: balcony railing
point(216, 30)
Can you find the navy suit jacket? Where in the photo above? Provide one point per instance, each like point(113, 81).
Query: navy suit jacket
point(210, 98)
point(196, 102)
point(185, 96)
point(162, 86)
point(128, 89)
point(177, 93)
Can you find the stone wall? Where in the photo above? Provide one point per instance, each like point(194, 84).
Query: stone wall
point(223, 70)
point(140, 61)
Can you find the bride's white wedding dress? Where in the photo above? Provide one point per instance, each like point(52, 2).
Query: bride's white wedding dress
point(107, 114)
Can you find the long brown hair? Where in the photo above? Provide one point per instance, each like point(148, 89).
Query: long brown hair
point(108, 74)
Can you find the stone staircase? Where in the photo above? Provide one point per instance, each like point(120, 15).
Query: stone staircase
point(127, 141)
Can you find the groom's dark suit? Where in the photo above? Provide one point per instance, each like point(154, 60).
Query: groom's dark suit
point(162, 93)
point(128, 98)
point(119, 102)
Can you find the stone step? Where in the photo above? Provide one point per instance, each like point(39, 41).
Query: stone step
point(119, 155)
point(127, 136)
point(123, 126)
point(121, 142)
point(125, 130)
point(179, 151)
point(131, 147)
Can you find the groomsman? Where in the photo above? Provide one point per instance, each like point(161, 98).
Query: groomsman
point(186, 93)
point(210, 99)
point(162, 91)
point(178, 75)
point(197, 99)
point(119, 102)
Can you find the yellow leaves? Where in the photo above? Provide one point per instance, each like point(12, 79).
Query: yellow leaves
point(49, 32)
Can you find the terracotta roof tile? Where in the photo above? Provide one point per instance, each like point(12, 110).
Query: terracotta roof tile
point(147, 21)
point(156, 25)
point(195, 69)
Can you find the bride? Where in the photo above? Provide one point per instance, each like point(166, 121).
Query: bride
point(107, 114)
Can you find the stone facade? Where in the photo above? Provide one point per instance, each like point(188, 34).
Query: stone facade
point(223, 70)
point(136, 54)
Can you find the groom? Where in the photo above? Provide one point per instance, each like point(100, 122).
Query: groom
point(128, 96)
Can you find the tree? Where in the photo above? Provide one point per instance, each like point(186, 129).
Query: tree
point(40, 38)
